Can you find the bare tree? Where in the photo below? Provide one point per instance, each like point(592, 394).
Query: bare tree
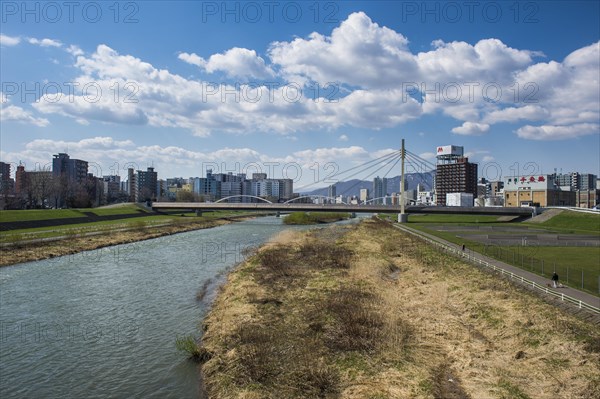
point(40, 182)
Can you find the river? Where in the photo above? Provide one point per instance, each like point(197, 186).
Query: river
point(103, 323)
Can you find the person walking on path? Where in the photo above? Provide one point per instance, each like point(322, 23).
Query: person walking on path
point(555, 280)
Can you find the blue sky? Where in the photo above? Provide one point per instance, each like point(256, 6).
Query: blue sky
point(186, 85)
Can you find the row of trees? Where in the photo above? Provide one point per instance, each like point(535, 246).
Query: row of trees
point(40, 189)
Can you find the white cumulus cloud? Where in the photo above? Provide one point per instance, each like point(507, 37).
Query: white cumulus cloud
point(13, 113)
point(471, 129)
point(235, 63)
point(44, 42)
point(377, 80)
point(193, 59)
point(552, 132)
point(9, 40)
point(239, 62)
point(358, 52)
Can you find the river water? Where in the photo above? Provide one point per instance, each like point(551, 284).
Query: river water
point(103, 323)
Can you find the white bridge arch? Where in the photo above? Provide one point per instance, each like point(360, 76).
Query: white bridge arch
point(243, 196)
point(378, 198)
point(314, 196)
point(286, 202)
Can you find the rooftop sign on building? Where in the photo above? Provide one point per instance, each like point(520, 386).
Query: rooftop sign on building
point(533, 182)
point(451, 150)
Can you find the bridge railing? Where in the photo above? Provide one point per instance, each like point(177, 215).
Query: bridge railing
point(459, 253)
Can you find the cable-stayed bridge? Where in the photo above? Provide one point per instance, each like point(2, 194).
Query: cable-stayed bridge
point(410, 163)
point(301, 207)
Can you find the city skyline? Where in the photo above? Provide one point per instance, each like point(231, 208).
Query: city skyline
point(368, 74)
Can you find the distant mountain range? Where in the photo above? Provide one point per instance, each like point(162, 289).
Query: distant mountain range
point(352, 187)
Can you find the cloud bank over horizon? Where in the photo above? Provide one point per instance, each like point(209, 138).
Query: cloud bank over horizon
point(362, 75)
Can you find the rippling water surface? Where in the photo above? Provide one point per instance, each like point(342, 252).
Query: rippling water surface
point(103, 323)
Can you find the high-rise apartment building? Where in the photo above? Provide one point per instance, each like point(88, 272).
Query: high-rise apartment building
point(6, 182)
point(20, 177)
point(73, 170)
point(146, 184)
point(454, 173)
point(131, 184)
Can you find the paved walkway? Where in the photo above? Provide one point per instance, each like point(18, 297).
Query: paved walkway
point(572, 292)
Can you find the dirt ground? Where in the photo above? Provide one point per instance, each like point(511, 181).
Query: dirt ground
point(370, 312)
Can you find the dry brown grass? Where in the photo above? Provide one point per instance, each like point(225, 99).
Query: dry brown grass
point(370, 312)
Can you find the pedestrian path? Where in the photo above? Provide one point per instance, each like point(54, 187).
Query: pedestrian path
point(518, 274)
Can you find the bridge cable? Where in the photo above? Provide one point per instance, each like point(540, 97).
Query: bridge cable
point(421, 175)
point(375, 171)
point(386, 156)
point(422, 160)
point(373, 161)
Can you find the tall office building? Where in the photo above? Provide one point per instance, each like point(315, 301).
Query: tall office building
point(331, 192)
point(379, 189)
point(286, 189)
point(454, 173)
point(363, 195)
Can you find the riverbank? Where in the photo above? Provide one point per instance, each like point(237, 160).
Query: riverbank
point(20, 252)
point(308, 218)
point(368, 311)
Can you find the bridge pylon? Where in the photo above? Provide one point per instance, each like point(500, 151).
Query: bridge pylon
point(402, 217)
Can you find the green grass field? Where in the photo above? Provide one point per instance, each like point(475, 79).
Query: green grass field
point(121, 210)
point(47, 214)
point(570, 221)
point(38, 214)
point(569, 262)
point(454, 219)
point(79, 228)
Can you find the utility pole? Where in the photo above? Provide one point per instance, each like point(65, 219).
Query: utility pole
point(402, 217)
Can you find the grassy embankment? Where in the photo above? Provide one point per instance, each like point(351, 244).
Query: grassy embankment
point(568, 261)
point(370, 312)
point(23, 245)
point(47, 214)
point(305, 218)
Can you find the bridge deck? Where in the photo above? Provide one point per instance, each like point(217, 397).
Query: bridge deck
point(292, 207)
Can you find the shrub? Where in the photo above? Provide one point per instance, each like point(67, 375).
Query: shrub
point(358, 325)
point(188, 345)
point(260, 352)
point(324, 255)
